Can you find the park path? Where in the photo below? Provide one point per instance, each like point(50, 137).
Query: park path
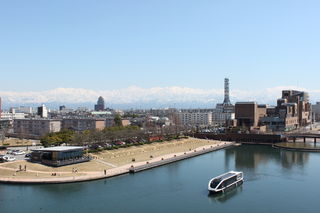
point(106, 163)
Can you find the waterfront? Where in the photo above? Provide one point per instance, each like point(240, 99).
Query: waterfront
point(275, 181)
point(108, 164)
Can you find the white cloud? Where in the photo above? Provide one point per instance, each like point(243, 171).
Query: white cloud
point(136, 94)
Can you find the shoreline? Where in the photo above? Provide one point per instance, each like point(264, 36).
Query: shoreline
point(121, 170)
point(180, 157)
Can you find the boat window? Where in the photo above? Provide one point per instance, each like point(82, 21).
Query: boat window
point(214, 183)
point(222, 185)
point(230, 181)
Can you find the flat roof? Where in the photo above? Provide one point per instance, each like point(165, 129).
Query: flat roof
point(59, 148)
point(38, 119)
point(227, 175)
point(91, 119)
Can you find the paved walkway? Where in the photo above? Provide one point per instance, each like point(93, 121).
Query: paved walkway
point(106, 163)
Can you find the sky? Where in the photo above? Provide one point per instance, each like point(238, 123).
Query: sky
point(113, 45)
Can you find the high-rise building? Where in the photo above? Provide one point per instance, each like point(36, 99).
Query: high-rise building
point(42, 111)
point(224, 112)
point(226, 100)
point(61, 108)
point(100, 105)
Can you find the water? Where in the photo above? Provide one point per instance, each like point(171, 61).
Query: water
point(307, 145)
point(275, 181)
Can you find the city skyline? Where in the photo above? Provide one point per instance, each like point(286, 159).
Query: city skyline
point(159, 106)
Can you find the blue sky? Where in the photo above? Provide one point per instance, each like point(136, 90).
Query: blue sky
point(106, 45)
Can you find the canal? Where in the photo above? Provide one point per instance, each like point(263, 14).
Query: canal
point(275, 181)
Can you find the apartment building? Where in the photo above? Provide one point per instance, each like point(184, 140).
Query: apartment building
point(35, 127)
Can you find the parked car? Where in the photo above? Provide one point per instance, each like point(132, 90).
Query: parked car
point(9, 158)
point(28, 155)
point(18, 152)
point(95, 146)
point(120, 143)
point(9, 152)
point(1, 159)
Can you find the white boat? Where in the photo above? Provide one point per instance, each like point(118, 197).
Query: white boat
point(225, 181)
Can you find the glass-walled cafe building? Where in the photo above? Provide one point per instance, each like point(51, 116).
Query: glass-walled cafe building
point(59, 155)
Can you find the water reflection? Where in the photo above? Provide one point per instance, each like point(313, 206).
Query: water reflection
point(226, 196)
point(306, 145)
point(58, 189)
point(253, 156)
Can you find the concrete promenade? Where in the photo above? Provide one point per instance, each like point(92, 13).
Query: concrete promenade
point(175, 158)
point(133, 167)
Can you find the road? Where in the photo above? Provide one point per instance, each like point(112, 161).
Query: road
point(25, 149)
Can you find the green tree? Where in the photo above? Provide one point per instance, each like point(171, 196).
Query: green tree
point(58, 138)
point(118, 120)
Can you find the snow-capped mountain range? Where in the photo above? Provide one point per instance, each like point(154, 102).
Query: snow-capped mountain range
point(138, 97)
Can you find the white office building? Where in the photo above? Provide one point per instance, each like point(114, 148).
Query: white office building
point(195, 118)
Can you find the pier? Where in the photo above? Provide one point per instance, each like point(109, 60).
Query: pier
point(303, 136)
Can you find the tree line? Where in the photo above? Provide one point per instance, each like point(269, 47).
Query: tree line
point(107, 136)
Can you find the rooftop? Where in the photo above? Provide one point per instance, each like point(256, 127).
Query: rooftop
point(59, 148)
point(38, 119)
point(227, 175)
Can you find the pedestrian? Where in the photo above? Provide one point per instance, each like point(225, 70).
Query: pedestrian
point(20, 168)
point(25, 168)
point(105, 172)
